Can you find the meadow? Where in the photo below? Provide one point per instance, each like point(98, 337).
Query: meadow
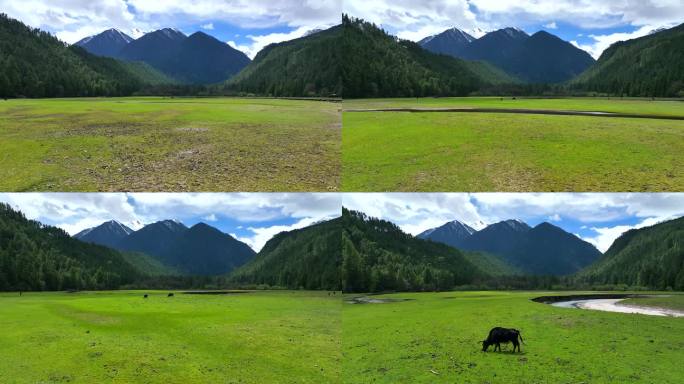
point(436, 338)
point(169, 144)
point(120, 337)
point(437, 151)
point(613, 105)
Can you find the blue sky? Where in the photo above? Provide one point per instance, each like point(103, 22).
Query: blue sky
point(590, 24)
point(248, 25)
point(251, 217)
point(595, 217)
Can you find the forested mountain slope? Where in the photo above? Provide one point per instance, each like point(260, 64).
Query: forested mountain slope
point(378, 256)
point(379, 65)
point(308, 258)
point(307, 66)
point(34, 63)
point(652, 65)
point(38, 257)
point(650, 257)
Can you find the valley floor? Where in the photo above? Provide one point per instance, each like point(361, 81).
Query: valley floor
point(169, 144)
point(311, 337)
point(120, 337)
point(436, 338)
point(475, 151)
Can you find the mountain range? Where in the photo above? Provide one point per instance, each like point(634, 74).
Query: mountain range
point(355, 252)
point(377, 64)
point(198, 250)
point(195, 59)
point(539, 58)
point(354, 59)
point(378, 256)
point(543, 250)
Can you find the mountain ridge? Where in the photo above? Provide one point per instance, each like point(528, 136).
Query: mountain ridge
point(195, 59)
point(541, 250)
point(197, 250)
point(538, 58)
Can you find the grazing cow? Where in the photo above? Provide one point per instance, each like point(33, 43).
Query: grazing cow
point(500, 335)
point(169, 295)
point(145, 297)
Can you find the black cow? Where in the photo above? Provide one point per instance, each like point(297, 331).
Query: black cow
point(145, 297)
point(500, 335)
point(169, 295)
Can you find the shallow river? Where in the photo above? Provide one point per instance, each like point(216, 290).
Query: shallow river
point(613, 305)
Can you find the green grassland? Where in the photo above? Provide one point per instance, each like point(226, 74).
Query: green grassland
point(169, 144)
point(435, 338)
point(615, 105)
point(442, 151)
point(119, 337)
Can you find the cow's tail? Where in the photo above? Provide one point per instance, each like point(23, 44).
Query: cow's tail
point(519, 335)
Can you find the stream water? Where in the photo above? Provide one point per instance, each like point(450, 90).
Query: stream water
point(614, 305)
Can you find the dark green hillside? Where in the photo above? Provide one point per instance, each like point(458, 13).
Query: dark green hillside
point(146, 74)
point(494, 265)
point(34, 63)
point(378, 256)
point(308, 258)
point(650, 257)
point(38, 257)
point(148, 265)
point(652, 65)
point(308, 66)
point(378, 65)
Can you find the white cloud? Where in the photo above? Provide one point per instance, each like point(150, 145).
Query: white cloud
point(258, 42)
point(551, 25)
point(211, 217)
point(72, 20)
point(555, 217)
point(74, 212)
point(583, 13)
point(246, 49)
point(209, 26)
point(414, 20)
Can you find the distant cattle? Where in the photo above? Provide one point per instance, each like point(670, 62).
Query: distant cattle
point(145, 297)
point(169, 295)
point(500, 335)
